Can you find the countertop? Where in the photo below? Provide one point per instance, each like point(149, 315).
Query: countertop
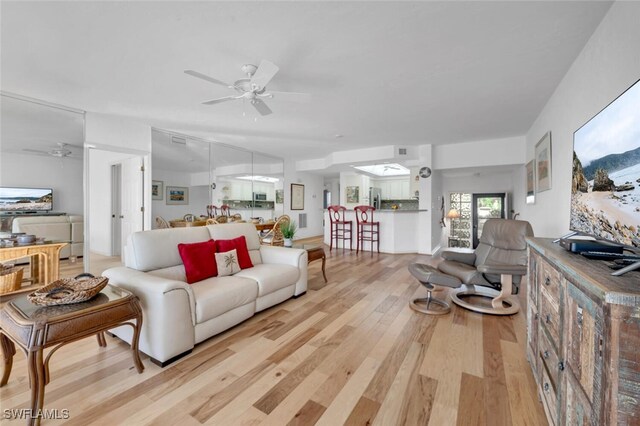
point(394, 210)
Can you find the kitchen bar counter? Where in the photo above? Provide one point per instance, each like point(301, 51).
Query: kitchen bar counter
point(399, 229)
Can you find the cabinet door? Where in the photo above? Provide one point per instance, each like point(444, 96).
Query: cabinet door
point(405, 190)
point(584, 343)
point(577, 406)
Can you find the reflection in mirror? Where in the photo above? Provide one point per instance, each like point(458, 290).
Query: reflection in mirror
point(229, 167)
point(180, 179)
point(41, 148)
point(268, 183)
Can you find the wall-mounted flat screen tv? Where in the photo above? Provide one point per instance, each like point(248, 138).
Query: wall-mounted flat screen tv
point(605, 188)
point(25, 199)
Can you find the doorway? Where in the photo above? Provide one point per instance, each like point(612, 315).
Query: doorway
point(485, 207)
point(115, 199)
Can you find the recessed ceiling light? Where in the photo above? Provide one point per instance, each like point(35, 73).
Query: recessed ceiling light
point(386, 169)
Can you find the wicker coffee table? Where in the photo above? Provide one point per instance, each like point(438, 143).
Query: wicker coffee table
point(35, 328)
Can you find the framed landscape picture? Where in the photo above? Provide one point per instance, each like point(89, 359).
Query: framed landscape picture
point(279, 196)
point(353, 194)
point(297, 196)
point(543, 163)
point(157, 190)
point(531, 182)
point(177, 195)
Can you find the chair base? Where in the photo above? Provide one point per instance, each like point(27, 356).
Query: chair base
point(501, 303)
point(430, 305)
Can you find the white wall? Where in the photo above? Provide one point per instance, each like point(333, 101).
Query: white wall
point(608, 64)
point(198, 196)
point(39, 171)
point(313, 187)
point(492, 152)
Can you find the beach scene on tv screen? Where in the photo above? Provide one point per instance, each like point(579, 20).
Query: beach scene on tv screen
point(25, 199)
point(605, 192)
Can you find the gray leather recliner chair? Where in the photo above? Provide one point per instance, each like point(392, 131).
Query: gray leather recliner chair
point(497, 264)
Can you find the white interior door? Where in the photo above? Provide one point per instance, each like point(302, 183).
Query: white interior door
point(132, 201)
point(116, 209)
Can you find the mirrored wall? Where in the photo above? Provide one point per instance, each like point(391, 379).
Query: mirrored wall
point(190, 174)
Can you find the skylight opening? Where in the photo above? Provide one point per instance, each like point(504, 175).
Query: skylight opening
point(266, 179)
point(389, 169)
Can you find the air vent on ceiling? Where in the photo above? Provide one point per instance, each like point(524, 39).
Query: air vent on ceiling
point(402, 151)
point(302, 220)
point(178, 140)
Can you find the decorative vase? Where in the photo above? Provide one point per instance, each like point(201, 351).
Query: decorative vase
point(288, 242)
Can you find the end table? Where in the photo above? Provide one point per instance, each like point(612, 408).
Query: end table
point(34, 328)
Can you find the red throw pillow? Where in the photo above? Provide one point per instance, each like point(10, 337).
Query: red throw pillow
point(240, 244)
point(199, 260)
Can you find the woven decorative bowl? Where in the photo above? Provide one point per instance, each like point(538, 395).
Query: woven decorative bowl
point(68, 290)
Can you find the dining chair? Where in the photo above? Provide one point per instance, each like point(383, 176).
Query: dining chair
point(274, 236)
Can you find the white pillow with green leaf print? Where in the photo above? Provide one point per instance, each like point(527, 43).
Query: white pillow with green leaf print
point(227, 263)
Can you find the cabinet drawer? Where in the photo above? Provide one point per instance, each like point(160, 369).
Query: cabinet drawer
point(549, 280)
point(550, 318)
point(549, 358)
point(532, 280)
point(550, 395)
point(532, 335)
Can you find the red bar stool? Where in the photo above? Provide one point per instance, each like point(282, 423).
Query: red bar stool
point(368, 229)
point(341, 229)
point(225, 211)
point(212, 211)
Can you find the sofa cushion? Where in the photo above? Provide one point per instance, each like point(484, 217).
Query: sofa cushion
point(240, 245)
point(271, 277)
point(215, 296)
point(174, 273)
point(227, 263)
point(199, 260)
point(157, 249)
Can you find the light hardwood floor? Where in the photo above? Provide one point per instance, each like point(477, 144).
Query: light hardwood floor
point(348, 352)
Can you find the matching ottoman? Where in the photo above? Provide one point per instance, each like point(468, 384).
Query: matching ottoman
point(428, 277)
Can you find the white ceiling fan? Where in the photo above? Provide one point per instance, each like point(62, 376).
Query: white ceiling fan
point(60, 151)
point(252, 88)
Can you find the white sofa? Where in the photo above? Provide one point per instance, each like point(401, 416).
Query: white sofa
point(177, 315)
point(58, 228)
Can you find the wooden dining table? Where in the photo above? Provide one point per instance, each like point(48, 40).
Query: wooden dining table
point(184, 223)
point(264, 226)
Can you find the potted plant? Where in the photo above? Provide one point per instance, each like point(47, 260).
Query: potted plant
point(288, 230)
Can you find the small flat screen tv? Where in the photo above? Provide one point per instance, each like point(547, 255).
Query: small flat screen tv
point(605, 187)
point(25, 199)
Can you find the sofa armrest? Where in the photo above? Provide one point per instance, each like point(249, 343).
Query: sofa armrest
point(168, 312)
point(288, 256)
point(502, 269)
point(468, 258)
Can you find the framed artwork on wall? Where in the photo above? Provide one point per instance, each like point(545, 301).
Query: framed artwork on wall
point(157, 190)
point(297, 196)
point(353, 194)
point(279, 196)
point(177, 195)
point(531, 182)
point(543, 163)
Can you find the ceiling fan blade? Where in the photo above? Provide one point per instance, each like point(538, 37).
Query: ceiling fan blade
point(265, 72)
point(207, 78)
point(290, 96)
point(35, 151)
point(217, 101)
point(262, 108)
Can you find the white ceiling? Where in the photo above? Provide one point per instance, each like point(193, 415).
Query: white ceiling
point(380, 72)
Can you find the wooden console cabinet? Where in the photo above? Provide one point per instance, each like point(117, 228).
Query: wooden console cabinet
point(583, 337)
